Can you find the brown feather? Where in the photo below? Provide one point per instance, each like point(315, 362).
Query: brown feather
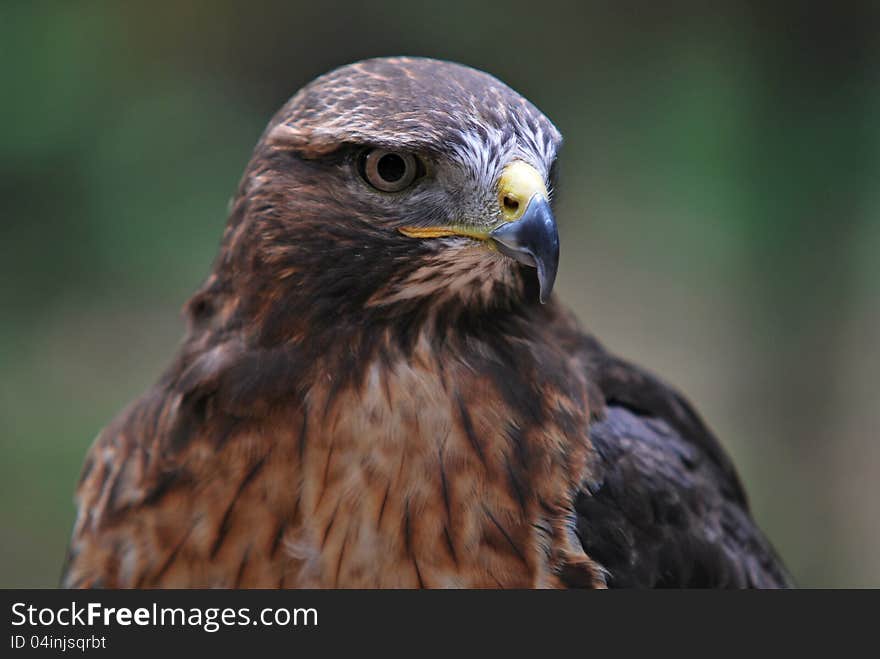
point(354, 407)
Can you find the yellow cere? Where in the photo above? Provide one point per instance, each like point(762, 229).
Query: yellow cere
point(518, 184)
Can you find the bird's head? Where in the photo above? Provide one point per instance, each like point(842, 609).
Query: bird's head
point(395, 185)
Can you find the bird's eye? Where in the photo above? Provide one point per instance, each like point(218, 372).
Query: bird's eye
point(389, 171)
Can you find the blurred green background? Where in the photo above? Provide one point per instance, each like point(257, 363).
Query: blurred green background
point(719, 216)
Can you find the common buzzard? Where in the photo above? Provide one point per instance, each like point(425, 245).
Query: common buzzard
point(378, 389)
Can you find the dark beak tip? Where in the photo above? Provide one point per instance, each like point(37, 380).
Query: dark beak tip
point(547, 277)
point(545, 282)
point(533, 239)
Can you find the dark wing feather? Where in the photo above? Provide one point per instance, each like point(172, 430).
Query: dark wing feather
point(665, 507)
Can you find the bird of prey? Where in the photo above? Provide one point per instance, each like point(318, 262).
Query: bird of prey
point(377, 387)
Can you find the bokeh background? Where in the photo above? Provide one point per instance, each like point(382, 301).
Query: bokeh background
point(720, 217)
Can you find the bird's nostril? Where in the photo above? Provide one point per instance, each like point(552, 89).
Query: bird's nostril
point(510, 203)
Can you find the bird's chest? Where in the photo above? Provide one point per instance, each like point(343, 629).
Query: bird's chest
point(422, 477)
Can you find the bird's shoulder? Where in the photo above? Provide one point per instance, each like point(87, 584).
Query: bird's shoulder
point(663, 504)
point(202, 426)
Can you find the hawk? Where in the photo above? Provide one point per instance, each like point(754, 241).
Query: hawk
point(377, 387)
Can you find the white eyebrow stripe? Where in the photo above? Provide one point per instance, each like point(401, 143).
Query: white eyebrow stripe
point(485, 151)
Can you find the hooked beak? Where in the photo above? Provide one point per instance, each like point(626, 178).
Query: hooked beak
point(528, 231)
point(533, 240)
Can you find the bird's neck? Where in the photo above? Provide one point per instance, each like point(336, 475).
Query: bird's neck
point(451, 463)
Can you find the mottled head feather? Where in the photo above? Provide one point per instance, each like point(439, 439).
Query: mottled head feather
point(413, 103)
point(312, 253)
